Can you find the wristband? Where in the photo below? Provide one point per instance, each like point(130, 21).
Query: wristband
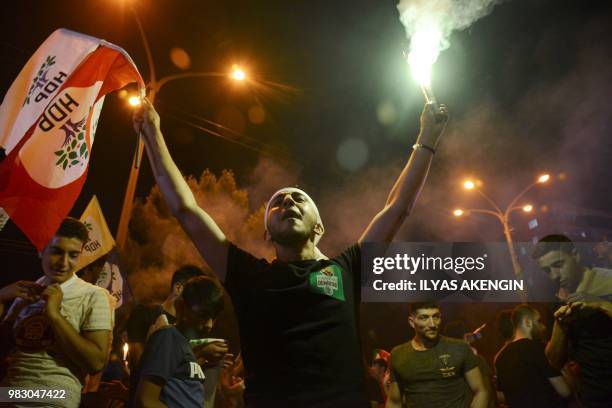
point(418, 145)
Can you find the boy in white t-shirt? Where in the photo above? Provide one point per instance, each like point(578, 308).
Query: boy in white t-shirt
point(60, 324)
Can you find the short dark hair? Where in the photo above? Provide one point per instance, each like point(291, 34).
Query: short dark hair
point(520, 312)
point(414, 307)
point(553, 242)
point(184, 273)
point(204, 296)
point(73, 228)
point(504, 324)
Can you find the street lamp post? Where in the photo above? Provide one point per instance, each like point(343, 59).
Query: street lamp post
point(153, 87)
point(503, 216)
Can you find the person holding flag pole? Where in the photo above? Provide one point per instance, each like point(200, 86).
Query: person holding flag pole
point(304, 302)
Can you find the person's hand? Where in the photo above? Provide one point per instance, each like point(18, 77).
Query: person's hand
point(433, 121)
point(231, 385)
point(567, 313)
point(227, 361)
point(146, 119)
point(211, 352)
point(594, 304)
point(26, 290)
point(234, 388)
point(53, 295)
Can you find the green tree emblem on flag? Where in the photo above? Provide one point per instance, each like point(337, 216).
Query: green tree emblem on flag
point(40, 80)
point(74, 149)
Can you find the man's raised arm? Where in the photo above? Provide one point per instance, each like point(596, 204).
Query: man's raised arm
point(405, 191)
point(201, 228)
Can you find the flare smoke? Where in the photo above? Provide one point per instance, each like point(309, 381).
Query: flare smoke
point(429, 24)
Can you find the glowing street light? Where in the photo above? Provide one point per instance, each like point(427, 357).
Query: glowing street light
point(469, 185)
point(543, 178)
point(237, 73)
point(134, 101)
point(154, 86)
point(503, 215)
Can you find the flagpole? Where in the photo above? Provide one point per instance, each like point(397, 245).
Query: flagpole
point(128, 198)
point(153, 87)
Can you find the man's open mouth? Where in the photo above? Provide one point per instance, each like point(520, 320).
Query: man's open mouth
point(292, 214)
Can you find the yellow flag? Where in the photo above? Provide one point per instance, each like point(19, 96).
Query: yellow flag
point(100, 239)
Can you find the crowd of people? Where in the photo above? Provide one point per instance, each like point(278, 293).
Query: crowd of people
point(298, 319)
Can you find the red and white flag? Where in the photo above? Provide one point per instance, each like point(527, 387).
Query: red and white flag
point(48, 121)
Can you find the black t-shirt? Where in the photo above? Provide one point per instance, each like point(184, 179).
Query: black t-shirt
point(141, 319)
point(590, 340)
point(138, 324)
point(434, 377)
point(298, 328)
point(169, 357)
point(522, 375)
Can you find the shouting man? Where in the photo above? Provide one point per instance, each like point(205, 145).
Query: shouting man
point(297, 314)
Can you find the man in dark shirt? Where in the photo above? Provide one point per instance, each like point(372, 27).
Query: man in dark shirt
point(298, 314)
point(432, 370)
point(524, 376)
point(582, 332)
point(144, 317)
point(169, 371)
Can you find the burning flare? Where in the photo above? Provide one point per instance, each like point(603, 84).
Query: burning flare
point(424, 50)
point(429, 24)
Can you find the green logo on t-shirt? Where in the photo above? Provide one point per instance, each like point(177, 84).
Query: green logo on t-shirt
point(328, 281)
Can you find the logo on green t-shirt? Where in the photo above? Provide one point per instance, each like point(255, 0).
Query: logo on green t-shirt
point(446, 370)
point(328, 281)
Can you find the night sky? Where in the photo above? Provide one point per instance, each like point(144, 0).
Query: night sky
point(528, 88)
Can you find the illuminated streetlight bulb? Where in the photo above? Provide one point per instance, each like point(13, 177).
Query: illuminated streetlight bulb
point(237, 73)
point(134, 101)
point(458, 212)
point(543, 178)
point(468, 184)
point(528, 208)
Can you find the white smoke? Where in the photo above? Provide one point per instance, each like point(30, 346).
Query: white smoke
point(437, 19)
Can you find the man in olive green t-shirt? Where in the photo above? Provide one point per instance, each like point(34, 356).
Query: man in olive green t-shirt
point(432, 370)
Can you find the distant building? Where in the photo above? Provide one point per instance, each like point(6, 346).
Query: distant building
point(580, 224)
